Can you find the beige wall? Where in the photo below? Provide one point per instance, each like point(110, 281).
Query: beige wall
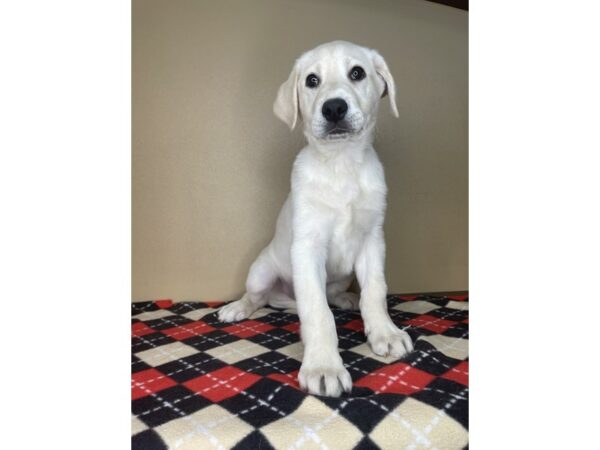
point(211, 163)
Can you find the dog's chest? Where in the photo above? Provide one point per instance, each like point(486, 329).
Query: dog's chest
point(356, 206)
point(345, 196)
point(349, 229)
point(344, 186)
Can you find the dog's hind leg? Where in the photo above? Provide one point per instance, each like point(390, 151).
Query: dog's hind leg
point(261, 278)
point(337, 294)
point(278, 298)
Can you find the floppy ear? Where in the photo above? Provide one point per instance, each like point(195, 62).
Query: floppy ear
point(384, 73)
point(286, 103)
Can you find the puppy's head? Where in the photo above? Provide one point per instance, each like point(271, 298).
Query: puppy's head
point(336, 88)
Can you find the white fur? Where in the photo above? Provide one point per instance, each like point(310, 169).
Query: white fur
point(330, 226)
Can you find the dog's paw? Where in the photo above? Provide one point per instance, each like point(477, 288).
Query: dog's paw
point(346, 300)
point(328, 378)
point(389, 341)
point(235, 311)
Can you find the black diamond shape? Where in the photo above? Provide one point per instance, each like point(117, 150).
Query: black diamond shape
point(275, 338)
point(434, 299)
point(164, 323)
point(186, 307)
point(359, 365)
point(427, 358)
point(152, 411)
point(361, 412)
point(460, 330)
point(137, 365)
point(348, 338)
point(414, 332)
point(142, 307)
point(147, 440)
point(281, 319)
point(251, 410)
point(185, 369)
point(439, 393)
point(284, 398)
point(152, 340)
point(360, 391)
point(389, 401)
point(213, 320)
point(184, 399)
point(268, 363)
point(449, 314)
point(366, 444)
point(215, 338)
point(342, 316)
point(400, 317)
point(255, 440)
point(364, 412)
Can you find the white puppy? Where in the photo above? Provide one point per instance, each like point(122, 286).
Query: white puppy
point(331, 223)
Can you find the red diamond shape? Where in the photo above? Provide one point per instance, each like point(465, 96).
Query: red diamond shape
point(163, 304)
point(431, 323)
point(290, 379)
point(408, 297)
point(222, 383)
point(459, 298)
point(460, 373)
point(148, 382)
point(187, 330)
point(293, 327)
point(213, 304)
point(399, 378)
point(248, 328)
point(140, 329)
point(356, 325)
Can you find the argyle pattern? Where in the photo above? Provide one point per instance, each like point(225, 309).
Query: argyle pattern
point(198, 383)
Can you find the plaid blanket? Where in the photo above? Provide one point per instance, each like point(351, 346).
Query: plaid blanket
point(198, 383)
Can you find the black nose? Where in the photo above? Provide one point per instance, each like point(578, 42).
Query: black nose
point(335, 109)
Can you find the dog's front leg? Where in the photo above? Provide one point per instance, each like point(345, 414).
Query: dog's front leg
point(322, 371)
point(384, 337)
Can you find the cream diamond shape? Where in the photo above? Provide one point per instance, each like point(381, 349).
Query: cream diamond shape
point(450, 346)
point(416, 306)
point(261, 313)
point(212, 427)
point(153, 315)
point(365, 350)
point(166, 353)
point(137, 426)
point(463, 306)
point(313, 425)
point(413, 424)
point(295, 351)
point(198, 314)
point(236, 351)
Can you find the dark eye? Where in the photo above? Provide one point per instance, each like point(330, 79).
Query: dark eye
point(357, 73)
point(312, 81)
